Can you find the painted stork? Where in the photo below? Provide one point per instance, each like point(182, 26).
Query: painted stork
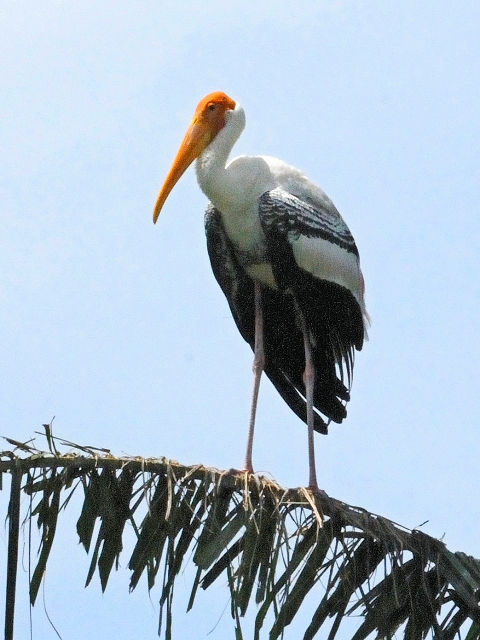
point(287, 264)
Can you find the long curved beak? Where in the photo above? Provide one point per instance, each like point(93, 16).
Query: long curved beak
point(198, 136)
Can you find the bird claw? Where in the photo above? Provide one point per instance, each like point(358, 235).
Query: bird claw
point(317, 491)
point(239, 472)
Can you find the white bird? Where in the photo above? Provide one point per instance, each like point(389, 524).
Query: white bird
point(287, 263)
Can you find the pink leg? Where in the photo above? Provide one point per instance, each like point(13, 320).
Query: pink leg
point(258, 365)
point(309, 381)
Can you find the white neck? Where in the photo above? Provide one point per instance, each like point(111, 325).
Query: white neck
point(210, 165)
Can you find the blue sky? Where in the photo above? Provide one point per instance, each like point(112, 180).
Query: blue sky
point(119, 329)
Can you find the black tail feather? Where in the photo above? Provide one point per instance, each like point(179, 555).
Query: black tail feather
point(294, 399)
point(332, 315)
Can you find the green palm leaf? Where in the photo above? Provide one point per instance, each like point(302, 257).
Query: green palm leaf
point(274, 546)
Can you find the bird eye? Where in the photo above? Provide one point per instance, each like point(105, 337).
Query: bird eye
point(212, 107)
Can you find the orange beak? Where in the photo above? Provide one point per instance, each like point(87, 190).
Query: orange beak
point(198, 137)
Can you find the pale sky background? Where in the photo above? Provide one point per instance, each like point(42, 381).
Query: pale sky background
point(119, 329)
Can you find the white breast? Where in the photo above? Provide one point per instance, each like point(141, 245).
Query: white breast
point(235, 191)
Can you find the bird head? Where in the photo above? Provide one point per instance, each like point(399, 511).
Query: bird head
point(208, 120)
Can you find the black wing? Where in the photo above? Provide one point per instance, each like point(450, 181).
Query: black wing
point(295, 215)
point(331, 311)
point(234, 282)
point(281, 333)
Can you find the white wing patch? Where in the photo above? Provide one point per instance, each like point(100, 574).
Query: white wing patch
point(330, 262)
point(321, 242)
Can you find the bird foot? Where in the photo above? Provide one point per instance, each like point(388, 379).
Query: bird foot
point(239, 472)
point(315, 489)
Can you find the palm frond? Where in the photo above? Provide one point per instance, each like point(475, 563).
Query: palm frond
point(271, 545)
